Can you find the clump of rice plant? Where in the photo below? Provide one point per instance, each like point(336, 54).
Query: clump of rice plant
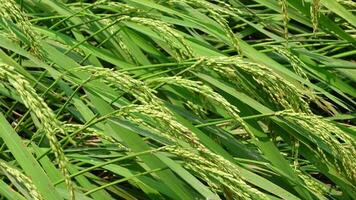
point(169, 127)
point(190, 99)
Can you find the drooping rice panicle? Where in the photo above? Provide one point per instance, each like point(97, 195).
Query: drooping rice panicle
point(176, 42)
point(279, 90)
point(350, 3)
point(216, 13)
point(122, 46)
point(173, 39)
point(190, 99)
point(297, 64)
point(205, 91)
point(196, 109)
point(312, 184)
point(126, 52)
point(21, 178)
point(10, 12)
point(230, 34)
point(216, 176)
point(94, 134)
point(341, 145)
point(124, 82)
point(50, 124)
point(218, 6)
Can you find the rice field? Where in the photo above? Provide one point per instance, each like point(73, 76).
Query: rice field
point(177, 99)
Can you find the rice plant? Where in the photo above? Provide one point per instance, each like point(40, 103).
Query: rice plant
point(192, 99)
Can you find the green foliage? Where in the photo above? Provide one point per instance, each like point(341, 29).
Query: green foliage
point(192, 99)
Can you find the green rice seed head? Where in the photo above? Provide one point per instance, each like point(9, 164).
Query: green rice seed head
point(217, 6)
point(217, 12)
point(213, 172)
point(21, 178)
point(342, 146)
point(284, 9)
point(10, 11)
point(349, 3)
point(317, 188)
point(314, 10)
point(50, 125)
point(205, 91)
point(123, 82)
point(230, 34)
point(196, 109)
point(297, 64)
point(166, 124)
point(92, 133)
point(176, 42)
point(280, 91)
point(125, 52)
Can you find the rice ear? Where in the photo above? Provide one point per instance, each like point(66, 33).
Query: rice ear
point(21, 178)
point(284, 9)
point(10, 11)
point(314, 10)
point(341, 144)
point(50, 124)
point(280, 92)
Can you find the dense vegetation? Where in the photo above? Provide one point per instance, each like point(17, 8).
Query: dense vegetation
point(177, 99)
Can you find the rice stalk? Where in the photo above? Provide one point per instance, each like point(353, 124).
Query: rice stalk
point(50, 124)
point(21, 178)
